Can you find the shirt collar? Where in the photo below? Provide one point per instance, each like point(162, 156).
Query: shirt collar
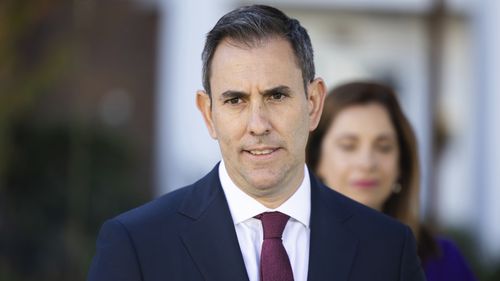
point(244, 207)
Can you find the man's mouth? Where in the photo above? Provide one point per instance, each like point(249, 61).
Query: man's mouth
point(261, 152)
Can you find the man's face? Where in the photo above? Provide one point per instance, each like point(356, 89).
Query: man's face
point(261, 116)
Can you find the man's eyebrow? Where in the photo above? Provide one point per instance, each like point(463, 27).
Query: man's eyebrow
point(232, 94)
point(278, 89)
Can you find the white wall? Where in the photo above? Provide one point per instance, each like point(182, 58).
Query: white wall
point(487, 133)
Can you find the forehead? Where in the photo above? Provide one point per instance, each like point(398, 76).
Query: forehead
point(230, 47)
point(267, 63)
point(371, 119)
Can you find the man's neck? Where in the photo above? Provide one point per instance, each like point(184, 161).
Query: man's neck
point(272, 196)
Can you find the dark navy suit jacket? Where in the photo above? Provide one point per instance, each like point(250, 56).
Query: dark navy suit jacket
point(189, 234)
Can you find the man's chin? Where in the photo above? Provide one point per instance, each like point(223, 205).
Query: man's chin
point(264, 184)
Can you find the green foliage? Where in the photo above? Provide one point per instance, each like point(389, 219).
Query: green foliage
point(27, 70)
point(58, 182)
point(61, 183)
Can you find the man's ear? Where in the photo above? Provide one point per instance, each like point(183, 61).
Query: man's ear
point(316, 97)
point(204, 104)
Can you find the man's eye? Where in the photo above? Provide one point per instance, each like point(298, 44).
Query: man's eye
point(277, 96)
point(233, 101)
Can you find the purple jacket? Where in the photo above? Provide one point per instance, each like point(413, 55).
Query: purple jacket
point(450, 265)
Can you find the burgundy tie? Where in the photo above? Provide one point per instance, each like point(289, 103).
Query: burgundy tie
point(274, 262)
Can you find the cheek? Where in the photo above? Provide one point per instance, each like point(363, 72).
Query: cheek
point(292, 128)
point(296, 122)
point(391, 168)
point(227, 127)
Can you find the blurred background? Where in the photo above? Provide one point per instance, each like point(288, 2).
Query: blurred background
point(98, 115)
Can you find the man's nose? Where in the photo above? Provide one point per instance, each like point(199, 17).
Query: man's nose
point(258, 120)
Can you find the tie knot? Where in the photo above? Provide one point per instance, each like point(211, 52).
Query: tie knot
point(273, 224)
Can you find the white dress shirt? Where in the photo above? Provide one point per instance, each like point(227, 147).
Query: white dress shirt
point(296, 235)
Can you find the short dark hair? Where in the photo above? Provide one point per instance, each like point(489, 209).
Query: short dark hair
point(252, 24)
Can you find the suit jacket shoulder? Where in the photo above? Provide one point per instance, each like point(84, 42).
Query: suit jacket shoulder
point(189, 234)
point(353, 242)
point(175, 236)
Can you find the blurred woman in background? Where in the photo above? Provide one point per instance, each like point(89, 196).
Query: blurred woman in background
point(365, 148)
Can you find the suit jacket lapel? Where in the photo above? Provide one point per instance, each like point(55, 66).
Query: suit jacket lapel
point(211, 239)
point(332, 246)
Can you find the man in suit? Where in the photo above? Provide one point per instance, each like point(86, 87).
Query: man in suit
point(260, 102)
